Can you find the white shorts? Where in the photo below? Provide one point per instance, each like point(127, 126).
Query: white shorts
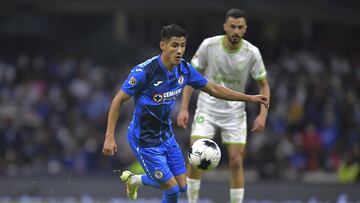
point(233, 128)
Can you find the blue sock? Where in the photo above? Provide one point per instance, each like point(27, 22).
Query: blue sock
point(183, 189)
point(171, 195)
point(146, 180)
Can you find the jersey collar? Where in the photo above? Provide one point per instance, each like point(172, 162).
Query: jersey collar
point(162, 66)
point(222, 41)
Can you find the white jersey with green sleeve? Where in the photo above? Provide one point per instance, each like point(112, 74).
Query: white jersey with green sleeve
point(227, 68)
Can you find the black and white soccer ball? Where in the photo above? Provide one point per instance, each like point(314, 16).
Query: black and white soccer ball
point(204, 154)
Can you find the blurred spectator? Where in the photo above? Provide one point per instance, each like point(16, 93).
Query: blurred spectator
point(349, 170)
point(312, 147)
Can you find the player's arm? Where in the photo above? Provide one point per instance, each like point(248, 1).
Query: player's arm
point(264, 90)
point(259, 123)
point(183, 116)
point(224, 93)
point(110, 147)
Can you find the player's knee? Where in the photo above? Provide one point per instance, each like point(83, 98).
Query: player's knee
point(183, 188)
point(172, 192)
point(235, 163)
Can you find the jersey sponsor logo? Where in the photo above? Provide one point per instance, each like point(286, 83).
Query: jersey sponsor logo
point(181, 80)
point(158, 98)
point(219, 79)
point(171, 94)
point(132, 81)
point(158, 174)
point(158, 83)
point(166, 96)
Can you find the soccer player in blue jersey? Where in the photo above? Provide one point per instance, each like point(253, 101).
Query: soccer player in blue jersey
point(155, 84)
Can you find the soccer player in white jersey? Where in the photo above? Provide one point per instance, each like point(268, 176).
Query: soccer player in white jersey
point(227, 60)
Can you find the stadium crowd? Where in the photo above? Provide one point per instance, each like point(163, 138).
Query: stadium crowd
point(53, 115)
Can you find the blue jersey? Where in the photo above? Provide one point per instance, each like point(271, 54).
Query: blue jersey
point(154, 89)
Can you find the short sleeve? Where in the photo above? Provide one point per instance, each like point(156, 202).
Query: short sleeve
point(135, 81)
point(199, 59)
point(258, 70)
point(196, 80)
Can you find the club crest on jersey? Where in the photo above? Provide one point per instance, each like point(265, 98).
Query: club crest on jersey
point(181, 80)
point(158, 174)
point(132, 81)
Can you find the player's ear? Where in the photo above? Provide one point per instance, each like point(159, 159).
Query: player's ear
point(224, 26)
point(245, 28)
point(162, 45)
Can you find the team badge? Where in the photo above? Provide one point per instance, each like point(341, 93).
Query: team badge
point(181, 80)
point(158, 98)
point(200, 119)
point(132, 81)
point(158, 174)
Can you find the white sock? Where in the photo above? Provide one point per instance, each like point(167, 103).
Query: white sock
point(236, 195)
point(136, 180)
point(193, 189)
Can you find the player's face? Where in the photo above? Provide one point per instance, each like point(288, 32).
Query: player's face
point(173, 49)
point(235, 28)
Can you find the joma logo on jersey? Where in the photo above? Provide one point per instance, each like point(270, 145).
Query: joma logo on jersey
point(166, 96)
point(158, 83)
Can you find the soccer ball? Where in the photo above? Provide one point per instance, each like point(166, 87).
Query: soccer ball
point(204, 154)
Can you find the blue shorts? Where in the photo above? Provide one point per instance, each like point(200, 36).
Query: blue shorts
point(162, 162)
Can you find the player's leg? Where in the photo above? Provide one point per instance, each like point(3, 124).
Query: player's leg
point(170, 187)
point(158, 174)
point(202, 127)
point(171, 191)
point(193, 179)
point(176, 163)
point(237, 182)
point(233, 134)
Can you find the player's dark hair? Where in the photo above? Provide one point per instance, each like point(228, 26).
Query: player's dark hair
point(235, 13)
point(172, 30)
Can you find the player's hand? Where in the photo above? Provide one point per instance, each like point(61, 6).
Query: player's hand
point(110, 147)
point(183, 118)
point(260, 99)
point(259, 124)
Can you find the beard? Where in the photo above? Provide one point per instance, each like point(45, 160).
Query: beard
point(234, 39)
